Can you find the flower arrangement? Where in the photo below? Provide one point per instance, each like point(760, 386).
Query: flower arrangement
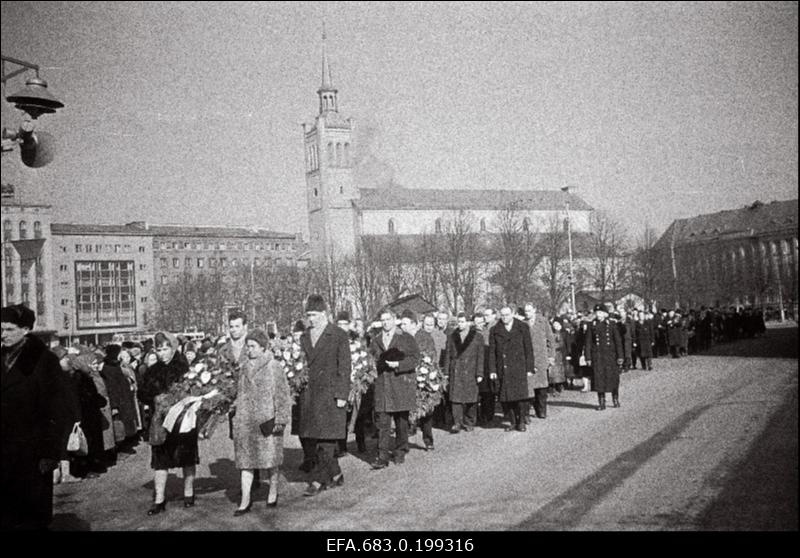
point(363, 372)
point(431, 385)
point(210, 386)
point(293, 359)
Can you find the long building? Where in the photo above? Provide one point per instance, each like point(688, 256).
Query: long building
point(740, 257)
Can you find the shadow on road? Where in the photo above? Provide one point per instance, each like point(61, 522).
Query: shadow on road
point(574, 404)
point(776, 343)
point(69, 522)
point(761, 493)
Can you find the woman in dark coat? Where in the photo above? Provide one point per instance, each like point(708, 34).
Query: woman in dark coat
point(558, 374)
point(92, 421)
point(464, 358)
point(175, 449)
point(123, 404)
point(579, 356)
point(510, 361)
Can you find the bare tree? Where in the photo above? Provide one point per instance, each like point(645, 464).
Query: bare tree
point(393, 263)
point(366, 280)
point(555, 276)
point(519, 255)
point(462, 262)
point(427, 267)
point(608, 251)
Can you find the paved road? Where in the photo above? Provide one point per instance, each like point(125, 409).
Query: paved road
point(700, 443)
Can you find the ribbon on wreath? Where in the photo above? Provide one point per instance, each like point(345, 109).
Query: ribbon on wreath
point(186, 411)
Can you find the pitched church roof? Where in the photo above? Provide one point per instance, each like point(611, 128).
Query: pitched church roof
point(418, 198)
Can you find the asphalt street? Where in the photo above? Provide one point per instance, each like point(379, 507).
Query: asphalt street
point(706, 442)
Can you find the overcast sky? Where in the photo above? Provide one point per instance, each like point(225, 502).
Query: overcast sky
point(191, 113)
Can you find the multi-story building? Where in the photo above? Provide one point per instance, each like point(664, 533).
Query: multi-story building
point(739, 257)
point(27, 266)
point(102, 280)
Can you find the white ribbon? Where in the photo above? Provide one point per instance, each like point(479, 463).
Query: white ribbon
point(191, 404)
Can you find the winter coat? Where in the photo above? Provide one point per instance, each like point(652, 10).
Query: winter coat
point(674, 332)
point(37, 411)
point(91, 405)
point(542, 345)
point(465, 365)
point(329, 365)
point(561, 350)
point(263, 393)
point(511, 358)
point(604, 344)
point(396, 388)
point(643, 339)
point(157, 381)
point(121, 394)
point(626, 334)
point(487, 385)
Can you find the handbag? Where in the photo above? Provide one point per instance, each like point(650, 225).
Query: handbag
point(77, 443)
point(119, 430)
point(267, 427)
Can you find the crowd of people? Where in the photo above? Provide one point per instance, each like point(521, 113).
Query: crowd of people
point(512, 357)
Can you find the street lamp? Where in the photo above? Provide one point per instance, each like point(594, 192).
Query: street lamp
point(565, 189)
point(36, 148)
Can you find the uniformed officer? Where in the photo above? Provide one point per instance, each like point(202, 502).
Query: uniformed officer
point(604, 344)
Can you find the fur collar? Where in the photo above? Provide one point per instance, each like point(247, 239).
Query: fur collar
point(32, 351)
point(461, 347)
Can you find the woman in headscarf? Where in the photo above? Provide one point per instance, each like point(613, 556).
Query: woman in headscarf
point(92, 405)
point(175, 449)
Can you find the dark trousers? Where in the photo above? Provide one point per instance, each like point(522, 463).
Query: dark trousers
point(426, 425)
point(327, 465)
point(633, 358)
point(485, 407)
point(540, 402)
point(309, 450)
point(674, 350)
point(464, 414)
point(384, 433)
point(516, 411)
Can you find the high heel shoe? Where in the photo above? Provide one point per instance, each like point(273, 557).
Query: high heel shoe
point(188, 501)
point(157, 508)
point(272, 504)
point(242, 511)
point(338, 480)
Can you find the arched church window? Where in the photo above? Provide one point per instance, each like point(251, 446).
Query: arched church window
point(316, 193)
point(37, 229)
point(347, 154)
point(7, 229)
point(526, 224)
point(483, 225)
point(23, 230)
point(341, 189)
point(391, 226)
point(331, 154)
point(339, 160)
point(438, 226)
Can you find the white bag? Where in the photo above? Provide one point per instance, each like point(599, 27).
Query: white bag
point(77, 441)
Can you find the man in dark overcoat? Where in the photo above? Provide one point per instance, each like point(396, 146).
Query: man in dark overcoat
point(37, 413)
point(427, 348)
point(643, 342)
point(673, 328)
point(396, 356)
point(324, 400)
point(543, 346)
point(487, 388)
point(604, 344)
point(511, 361)
point(464, 363)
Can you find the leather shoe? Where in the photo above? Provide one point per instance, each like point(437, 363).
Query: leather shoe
point(522, 428)
point(273, 504)
point(428, 447)
point(188, 501)
point(400, 458)
point(338, 480)
point(155, 509)
point(379, 464)
point(455, 429)
point(313, 489)
point(242, 511)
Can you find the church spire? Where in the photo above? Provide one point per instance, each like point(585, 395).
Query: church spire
point(327, 92)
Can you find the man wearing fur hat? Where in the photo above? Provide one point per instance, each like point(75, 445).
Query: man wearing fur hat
point(36, 417)
point(324, 400)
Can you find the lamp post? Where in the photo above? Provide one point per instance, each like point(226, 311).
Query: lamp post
point(36, 148)
point(565, 189)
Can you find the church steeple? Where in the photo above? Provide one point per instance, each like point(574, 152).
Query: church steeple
point(327, 92)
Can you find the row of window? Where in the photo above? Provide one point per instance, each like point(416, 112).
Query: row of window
point(338, 155)
point(437, 226)
point(65, 301)
point(200, 263)
point(104, 248)
point(224, 246)
point(65, 267)
point(8, 229)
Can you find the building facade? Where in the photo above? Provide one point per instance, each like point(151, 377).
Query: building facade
point(742, 257)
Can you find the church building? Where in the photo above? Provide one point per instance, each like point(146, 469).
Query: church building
point(340, 213)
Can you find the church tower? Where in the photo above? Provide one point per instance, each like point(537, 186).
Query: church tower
point(330, 189)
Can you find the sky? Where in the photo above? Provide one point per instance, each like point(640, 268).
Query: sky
point(191, 113)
